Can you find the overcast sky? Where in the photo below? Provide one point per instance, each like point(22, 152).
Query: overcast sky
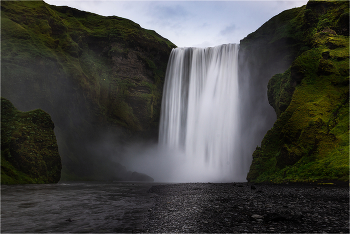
point(191, 23)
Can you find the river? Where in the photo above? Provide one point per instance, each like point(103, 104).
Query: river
point(75, 207)
point(174, 207)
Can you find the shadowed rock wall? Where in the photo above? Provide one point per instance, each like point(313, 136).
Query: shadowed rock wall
point(308, 48)
point(100, 79)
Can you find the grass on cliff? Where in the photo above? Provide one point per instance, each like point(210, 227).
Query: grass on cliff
point(313, 129)
point(36, 31)
point(29, 151)
point(310, 139)
point(72, 64)
point(11, 175)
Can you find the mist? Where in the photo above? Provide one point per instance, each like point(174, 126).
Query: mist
point(199, 118)
point(94, 147)
point(255, 118)
point(168, 165)
point(93, 150)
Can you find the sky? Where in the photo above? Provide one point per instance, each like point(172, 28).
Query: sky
point(191, 23)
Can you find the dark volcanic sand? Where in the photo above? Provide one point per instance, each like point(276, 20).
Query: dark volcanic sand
point(229, 208)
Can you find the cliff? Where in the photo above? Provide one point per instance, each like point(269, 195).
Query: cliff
point(100, 79)
point(29, 151)
point(309, 141)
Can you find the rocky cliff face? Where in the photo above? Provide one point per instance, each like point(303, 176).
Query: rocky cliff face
point(310, 94)
point(264, 53)
point(29, 151)
point(98, 77)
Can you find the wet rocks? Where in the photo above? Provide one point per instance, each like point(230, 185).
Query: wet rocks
point(237, 208)
point(256, 217)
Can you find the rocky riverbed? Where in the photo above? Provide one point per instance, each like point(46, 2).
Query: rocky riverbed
point(243, 207)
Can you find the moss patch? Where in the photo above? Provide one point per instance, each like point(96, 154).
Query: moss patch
point(29, 151)
point(309, 141)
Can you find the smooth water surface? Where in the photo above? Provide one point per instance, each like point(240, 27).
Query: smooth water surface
point(75, 207)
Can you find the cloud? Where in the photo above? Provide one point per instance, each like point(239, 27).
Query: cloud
point(170, 12)
point(166, 18)
point(204, 44)
point(191, 23)
point(228, 30)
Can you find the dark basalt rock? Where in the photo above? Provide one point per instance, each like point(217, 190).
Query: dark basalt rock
point(287, 157)
point(274, 217)
point(225, 208)
point(326, 55)
point(325, 67)
point(297, 73)
point(343, 24)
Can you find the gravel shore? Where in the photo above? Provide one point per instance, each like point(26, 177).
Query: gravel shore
point(243, 207)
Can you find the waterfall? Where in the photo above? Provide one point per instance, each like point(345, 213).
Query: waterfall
point(199, 113)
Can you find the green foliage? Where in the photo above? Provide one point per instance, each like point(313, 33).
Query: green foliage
point(11, 175)
point(310, 139)
point(29, 151)
point(76, 40)
point(87, 71)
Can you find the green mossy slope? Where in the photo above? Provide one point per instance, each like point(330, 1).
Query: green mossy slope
point(310, 139)
point(98, 77)
point(29, 151)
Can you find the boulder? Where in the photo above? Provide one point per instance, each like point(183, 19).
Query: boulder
point(29, 151)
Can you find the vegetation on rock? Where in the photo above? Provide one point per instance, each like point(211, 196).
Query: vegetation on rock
point(102, 77)
point(29, 151)
point(310, 139)
point(96, 76)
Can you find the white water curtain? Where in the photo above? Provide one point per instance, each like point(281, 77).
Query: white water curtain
point(199, 111)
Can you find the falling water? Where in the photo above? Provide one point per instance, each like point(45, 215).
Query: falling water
point(199, 116)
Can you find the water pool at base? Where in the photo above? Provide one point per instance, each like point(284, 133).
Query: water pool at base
point(75, 207)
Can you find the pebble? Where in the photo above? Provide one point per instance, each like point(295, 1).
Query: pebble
point(211, 207)
point(255, 216)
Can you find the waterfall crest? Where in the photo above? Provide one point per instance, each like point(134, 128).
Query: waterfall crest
point(199, 113)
